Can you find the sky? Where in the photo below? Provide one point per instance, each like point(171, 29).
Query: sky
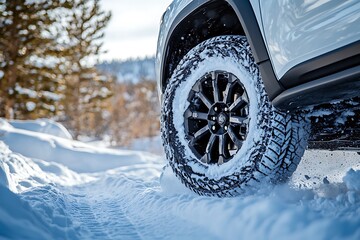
point(133, 29)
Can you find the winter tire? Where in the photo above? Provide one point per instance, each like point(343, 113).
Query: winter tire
point(220, 132)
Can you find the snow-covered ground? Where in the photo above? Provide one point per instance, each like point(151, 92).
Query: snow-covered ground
point(57, 188)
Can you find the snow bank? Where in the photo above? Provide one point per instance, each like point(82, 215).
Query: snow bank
point(19, 173)
point(38, 214)
point(18, 219)
point(77, 156)
point(42, 126)
point(31, 207)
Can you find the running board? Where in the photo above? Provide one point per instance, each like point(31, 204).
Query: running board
point(333, 145)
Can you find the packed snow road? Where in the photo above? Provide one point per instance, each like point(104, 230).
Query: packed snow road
point(138, 199)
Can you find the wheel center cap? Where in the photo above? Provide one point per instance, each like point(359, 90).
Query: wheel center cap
point(221, 119)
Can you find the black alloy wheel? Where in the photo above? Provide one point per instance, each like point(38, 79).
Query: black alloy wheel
point(217, 119)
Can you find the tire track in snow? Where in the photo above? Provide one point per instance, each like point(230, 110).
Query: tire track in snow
point(156, 215)
point(98, 219)
point(153, 215)
point(128, 205)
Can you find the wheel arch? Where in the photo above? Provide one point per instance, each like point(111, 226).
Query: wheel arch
point(200, 21)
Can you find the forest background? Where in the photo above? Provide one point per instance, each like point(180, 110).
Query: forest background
point(49, 68)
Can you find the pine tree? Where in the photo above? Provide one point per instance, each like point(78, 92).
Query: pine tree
point(31, 66)
point(86, 89)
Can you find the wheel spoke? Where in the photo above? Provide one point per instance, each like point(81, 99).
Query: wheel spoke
point(222, 145)
point(234, 138)
point(196, 115)
point(200, 115)
point(221, 159)
point(201, 132)
point(237, 120)
point(205, 100)
point(210, 143)
point(238, 102)
point(215, 87)
point(227, 92)
point(197, 87)
point(207, 156)
point(244, 95)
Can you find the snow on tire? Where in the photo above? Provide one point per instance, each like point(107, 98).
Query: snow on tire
point(220, 132)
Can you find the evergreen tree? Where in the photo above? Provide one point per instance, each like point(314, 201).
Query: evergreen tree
point(86, 89)
point(31, 66)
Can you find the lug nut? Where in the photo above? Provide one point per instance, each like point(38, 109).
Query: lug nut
point(214, 118)
point(226, 109)
point(226, 128)
point(215, 108)
point(213, 128)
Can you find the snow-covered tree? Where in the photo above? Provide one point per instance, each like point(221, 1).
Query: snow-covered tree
point(86, 88)
point(30, 57)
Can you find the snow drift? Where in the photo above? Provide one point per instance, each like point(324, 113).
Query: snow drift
point(47, 198)
point(75, 155)
point(42, 126)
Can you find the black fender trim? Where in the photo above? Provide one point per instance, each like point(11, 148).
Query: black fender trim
point(181, 17)
point(246, 15)
point(247, 18)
